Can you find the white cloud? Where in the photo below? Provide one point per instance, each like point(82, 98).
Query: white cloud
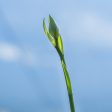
point(12, 53)
point(4, 110)
point(88, 26)
point(9, 52)
point(96, 26)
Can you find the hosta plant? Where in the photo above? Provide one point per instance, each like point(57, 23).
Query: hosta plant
point(55, 38)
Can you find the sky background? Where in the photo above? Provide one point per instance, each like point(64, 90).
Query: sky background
point(31, 78)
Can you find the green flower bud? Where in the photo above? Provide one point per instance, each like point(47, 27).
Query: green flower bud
point(53, 35)
point(53, 29)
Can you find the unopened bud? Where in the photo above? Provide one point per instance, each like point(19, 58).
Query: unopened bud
point(53, 29)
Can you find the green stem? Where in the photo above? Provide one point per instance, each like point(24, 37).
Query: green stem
point(68, 82)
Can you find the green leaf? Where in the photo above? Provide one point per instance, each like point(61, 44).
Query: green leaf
point(48, 34)
point(53, 29)
point(60, 44)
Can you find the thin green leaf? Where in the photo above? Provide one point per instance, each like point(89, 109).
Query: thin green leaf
point(48, 34)
point(60, 44)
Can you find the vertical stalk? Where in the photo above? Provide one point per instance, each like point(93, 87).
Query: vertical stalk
point(68, 82)
point(55, 38)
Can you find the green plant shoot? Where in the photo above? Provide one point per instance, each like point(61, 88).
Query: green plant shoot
point(55, 38)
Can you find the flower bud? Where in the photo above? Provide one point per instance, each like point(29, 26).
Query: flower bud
point(53, 35)
point(53, 29)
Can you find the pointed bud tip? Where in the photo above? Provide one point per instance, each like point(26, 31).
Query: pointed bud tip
point(50, 16)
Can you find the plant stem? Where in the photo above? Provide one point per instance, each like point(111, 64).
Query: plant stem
point(55, 38)
point(68, 82)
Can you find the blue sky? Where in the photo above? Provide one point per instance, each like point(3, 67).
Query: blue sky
point(31, 78)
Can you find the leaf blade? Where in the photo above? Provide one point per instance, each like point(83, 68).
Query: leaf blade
point(60, 44)
point(48, 34)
